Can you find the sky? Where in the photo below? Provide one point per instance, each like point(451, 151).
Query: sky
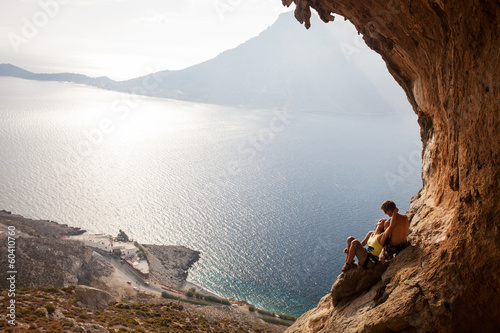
point(124, 39)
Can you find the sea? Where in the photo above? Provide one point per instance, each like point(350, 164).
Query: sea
point(268, 196)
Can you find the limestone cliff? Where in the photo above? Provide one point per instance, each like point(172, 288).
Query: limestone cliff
point(445, 55)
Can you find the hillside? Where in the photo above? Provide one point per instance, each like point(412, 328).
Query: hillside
point(48, 265)
point(57, 310)
point(285, 65)
point(43, 258)
point(13, 71)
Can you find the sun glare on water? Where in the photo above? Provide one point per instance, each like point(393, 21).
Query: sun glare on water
point(142, 117)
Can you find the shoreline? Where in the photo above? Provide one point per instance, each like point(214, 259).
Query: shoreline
point(200, 289)
point(27, 227)
point(53, 229)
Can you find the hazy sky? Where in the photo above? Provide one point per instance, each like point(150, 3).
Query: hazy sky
point(126, 38)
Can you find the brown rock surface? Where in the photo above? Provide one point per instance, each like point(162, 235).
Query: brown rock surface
point(38, 227)
point(42, 259)
point(445, 55)
point(169, 264)
point(356, 281)
point(92, 298)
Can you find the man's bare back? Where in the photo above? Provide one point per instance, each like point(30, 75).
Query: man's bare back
point(398, 225)
point(401, 226)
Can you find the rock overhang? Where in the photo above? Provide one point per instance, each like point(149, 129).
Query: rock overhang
point(445, 57)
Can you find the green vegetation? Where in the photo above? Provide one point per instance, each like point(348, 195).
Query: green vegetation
point(122, 236)
point(193, 301)
point(141, 255)
point(266, 313)
point(251, 308)
point(40, 313)
point(50, 289)
point(50, 308)
point(166, 295)
point(192, 293)
point(216, 300)
point(287, 317)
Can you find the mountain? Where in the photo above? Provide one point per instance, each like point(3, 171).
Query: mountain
point(99, 82)
point(11, 70)
point(284, 66)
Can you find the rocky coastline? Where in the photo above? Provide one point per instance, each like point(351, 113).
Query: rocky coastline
point(169, 264)
point(63, 283)
point(39, 227)
point(45, 258)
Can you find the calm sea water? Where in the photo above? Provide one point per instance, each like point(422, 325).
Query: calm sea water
point(267, 196)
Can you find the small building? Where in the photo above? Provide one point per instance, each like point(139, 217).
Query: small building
point(142, 266)
point(126, 249)
point(99, 241)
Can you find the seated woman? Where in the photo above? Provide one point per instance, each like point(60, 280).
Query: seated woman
point(375, 240)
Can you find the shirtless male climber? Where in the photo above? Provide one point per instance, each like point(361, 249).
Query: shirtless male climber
point(396, 241)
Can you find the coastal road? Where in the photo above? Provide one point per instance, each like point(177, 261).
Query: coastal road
point(138, 281)
point(132, 275)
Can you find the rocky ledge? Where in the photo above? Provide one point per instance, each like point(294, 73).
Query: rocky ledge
point(370, 300)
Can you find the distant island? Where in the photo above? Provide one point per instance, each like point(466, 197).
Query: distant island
point(14, 71)
point(286, 66)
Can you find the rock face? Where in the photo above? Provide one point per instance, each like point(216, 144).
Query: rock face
point(52, 262)
point(169, 264)
point(444, 54)
point(356, 281)
point(92, 298)
point(44, 260)
point(39, 227)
